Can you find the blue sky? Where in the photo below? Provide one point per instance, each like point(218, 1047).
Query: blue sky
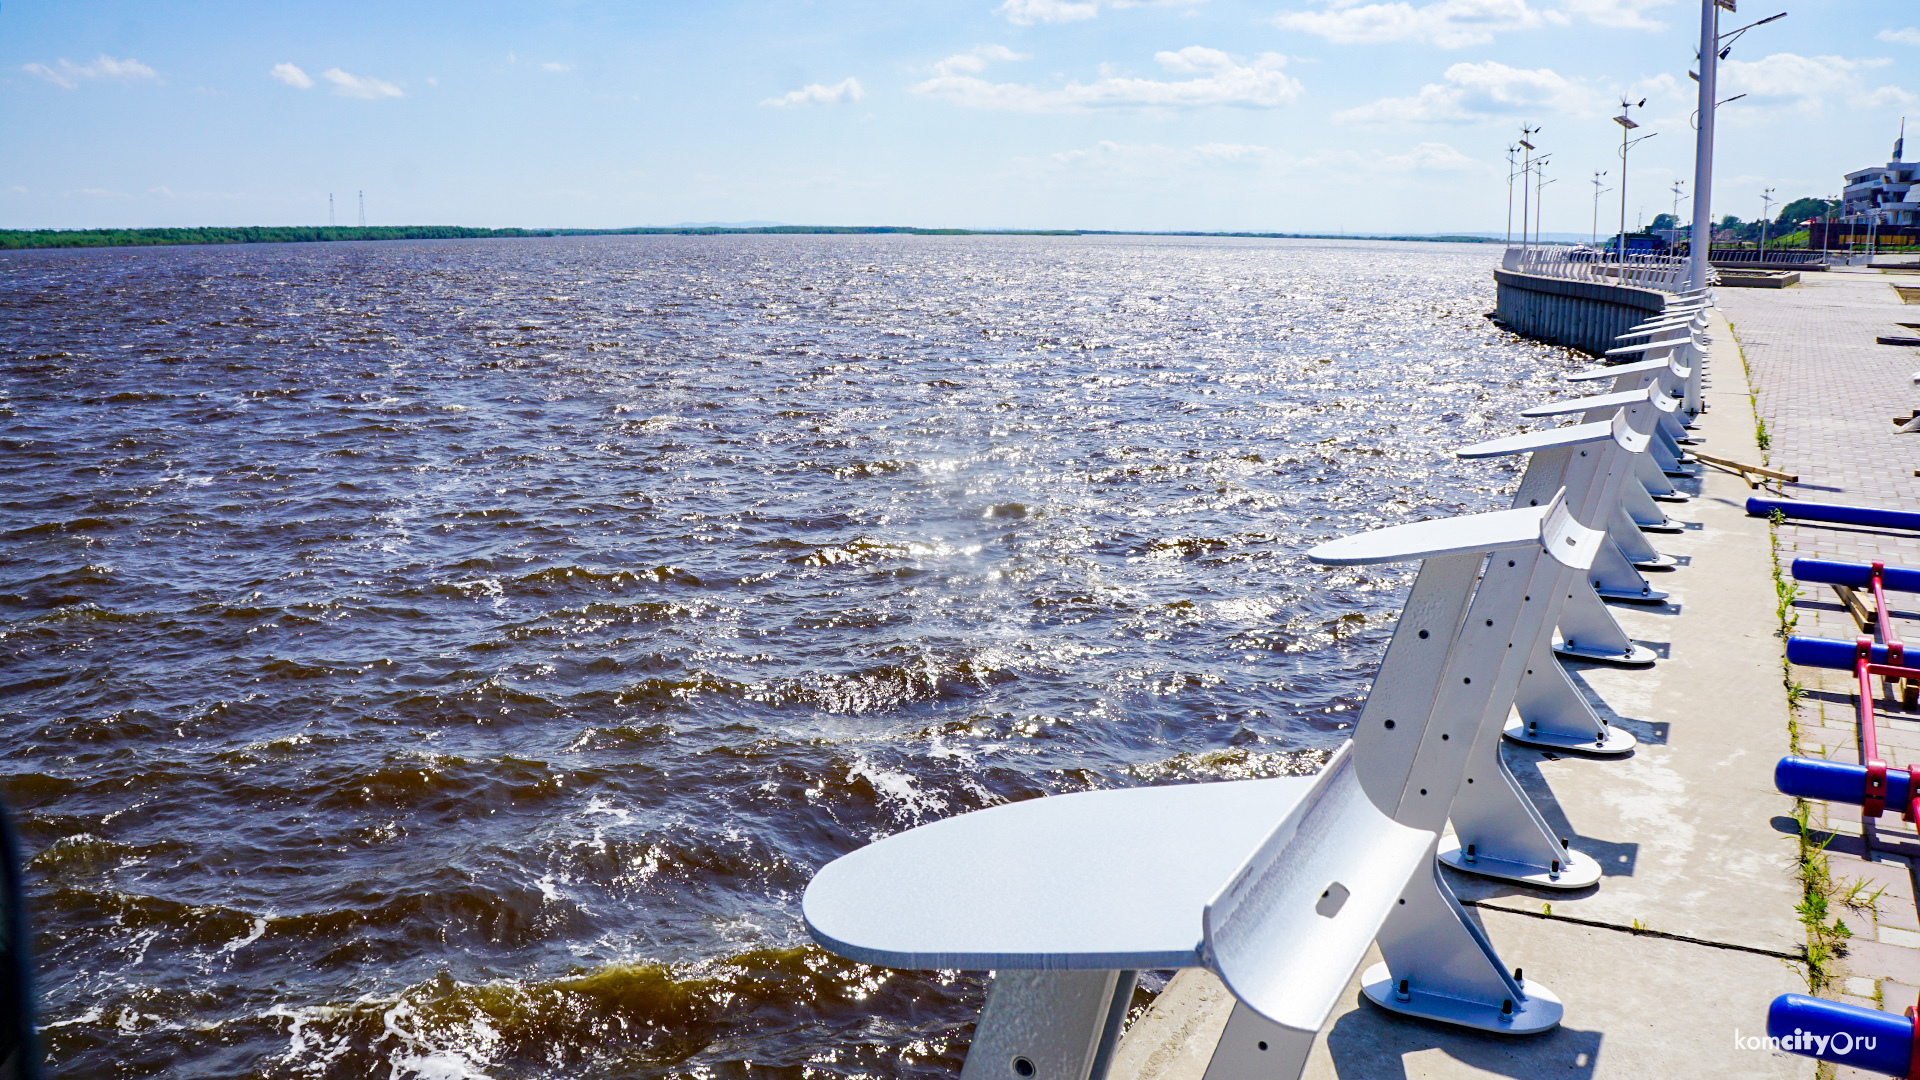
point(1287, 115)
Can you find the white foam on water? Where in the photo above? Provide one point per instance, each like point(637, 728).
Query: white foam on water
point(259, 928)
point(91, 1016)
point(897, 788)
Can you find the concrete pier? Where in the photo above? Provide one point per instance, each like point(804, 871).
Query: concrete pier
point(1692, 930)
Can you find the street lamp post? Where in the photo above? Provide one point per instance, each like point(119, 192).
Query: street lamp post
point(1766, 215)
point(1627, 125)
point(1712, 51)
point(1597, 192)
point(1526, 171)
point(1678, 189)
point(1539, 202)
point(1510, 175)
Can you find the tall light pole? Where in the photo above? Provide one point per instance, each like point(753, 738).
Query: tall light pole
point(1766, 215)
point(1525, 172)
point(1539, 181)
point(1712, 51)
point(1597, 192)
point(1511, 150)
point(1678, 190)
point(1626, 128)
point(1539, 203)
point(1699, 254)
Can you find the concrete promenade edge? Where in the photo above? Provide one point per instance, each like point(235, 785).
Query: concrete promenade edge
point(1692, 930)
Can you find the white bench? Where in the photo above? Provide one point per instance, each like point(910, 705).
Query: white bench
point(1278, 886)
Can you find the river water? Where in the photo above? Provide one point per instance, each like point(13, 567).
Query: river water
point(452, 659)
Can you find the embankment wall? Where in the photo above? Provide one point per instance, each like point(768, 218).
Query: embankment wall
point(1584, 315)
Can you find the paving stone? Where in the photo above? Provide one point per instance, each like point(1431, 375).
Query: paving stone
point(1877, 958)
point(1893, 935)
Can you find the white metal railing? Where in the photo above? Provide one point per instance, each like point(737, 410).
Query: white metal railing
point(1774, 257)
point(1665, 272)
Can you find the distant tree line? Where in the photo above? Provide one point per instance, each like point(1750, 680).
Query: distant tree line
point(1787, 229)
point(308, 234)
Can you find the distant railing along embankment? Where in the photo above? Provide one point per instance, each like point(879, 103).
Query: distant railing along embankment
point(1583, 303)
point(1772, 258)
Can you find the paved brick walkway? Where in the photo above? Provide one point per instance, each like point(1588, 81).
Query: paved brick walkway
point(1827, 393)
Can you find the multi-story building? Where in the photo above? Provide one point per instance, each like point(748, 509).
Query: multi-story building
point(1883, 191)
point(1879, 206)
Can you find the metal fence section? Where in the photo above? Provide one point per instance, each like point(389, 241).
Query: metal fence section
point(1773, 257)
point(1667, 273)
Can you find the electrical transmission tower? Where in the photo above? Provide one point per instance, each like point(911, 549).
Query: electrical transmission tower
point(363, 209)
point(329, 209)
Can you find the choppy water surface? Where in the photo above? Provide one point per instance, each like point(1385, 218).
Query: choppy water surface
point(453, 659)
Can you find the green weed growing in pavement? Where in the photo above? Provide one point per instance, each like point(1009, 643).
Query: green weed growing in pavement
point(1825, 940)
point(1858, 898)
point(1785, 592)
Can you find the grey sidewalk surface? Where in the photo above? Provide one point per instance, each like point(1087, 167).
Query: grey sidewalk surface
point(1692, 931)
point(1828, 393)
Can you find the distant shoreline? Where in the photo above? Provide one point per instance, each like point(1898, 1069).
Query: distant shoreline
point(19, 239)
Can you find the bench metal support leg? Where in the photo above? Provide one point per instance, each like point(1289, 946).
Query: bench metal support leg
point(1441, 967)
point(1588, 631)
point(1669, 461)
point(1614, 578)
point(1657, 483)
point(1049, 1025)
point(1633, 543)
point(1255, 1048)
point(1551, 712)
point(1499, 833)
point(1640, 507)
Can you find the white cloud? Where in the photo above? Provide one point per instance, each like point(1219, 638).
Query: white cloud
point(1028, 12)
point(292, 76)
point(554, 65)
point(1154, 161)
point(68, 74)
point(360, 86)
point(1454, 24)
point(1152, 158)
point(1909, 36)
point(975, 61)
point(1428, 157)
point(848, 89)
point(1222, 80)
point(1449, 24)
point(1478, 92)
point(1805, 83)
point(1618, 14)
point(1232, 153)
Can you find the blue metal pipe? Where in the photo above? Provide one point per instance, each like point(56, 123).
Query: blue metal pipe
point(1835, 513)
point(1836, 781)
point(1827, 653)
point(1867, 1039)
point(1857, 575)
